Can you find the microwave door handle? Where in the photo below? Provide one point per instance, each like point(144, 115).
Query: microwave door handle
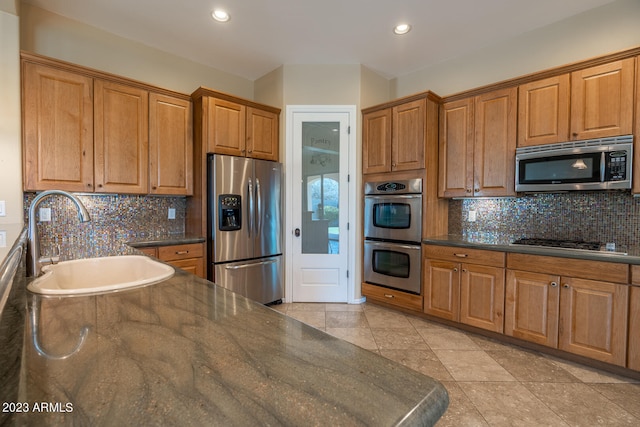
point(603, 158)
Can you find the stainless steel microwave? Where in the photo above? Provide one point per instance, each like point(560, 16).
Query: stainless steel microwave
point(595, 164)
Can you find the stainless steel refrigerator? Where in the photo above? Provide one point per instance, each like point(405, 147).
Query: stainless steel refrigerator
point(245, 226)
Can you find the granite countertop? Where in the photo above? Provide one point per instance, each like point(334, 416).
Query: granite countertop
point(187, 352)
point(503, 244)
point(168, 240)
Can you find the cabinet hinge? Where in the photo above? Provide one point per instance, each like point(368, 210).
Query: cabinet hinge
point(347, 274)
point(347, 226)
point(348, 130)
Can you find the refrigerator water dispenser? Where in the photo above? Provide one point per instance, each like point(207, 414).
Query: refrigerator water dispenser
point(229, 212)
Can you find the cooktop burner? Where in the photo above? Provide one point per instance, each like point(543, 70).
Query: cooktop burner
point(569, 244)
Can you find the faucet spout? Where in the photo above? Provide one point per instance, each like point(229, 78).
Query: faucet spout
point(34, 263)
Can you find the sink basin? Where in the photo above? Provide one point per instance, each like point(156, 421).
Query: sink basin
point(98, 275)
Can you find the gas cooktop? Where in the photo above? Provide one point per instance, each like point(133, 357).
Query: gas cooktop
point(568, 244)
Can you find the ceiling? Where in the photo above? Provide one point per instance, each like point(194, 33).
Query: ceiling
point(264, 34)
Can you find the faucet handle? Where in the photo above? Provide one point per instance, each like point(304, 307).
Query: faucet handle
point(53, 259)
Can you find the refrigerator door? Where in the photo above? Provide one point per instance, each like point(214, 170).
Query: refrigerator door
point(267, 225)
point(259, 279)
point(231, 186)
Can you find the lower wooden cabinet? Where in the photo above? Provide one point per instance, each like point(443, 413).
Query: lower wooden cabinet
point(465, 292)
point(392, 296)
point(188, 257)
point(585, 316)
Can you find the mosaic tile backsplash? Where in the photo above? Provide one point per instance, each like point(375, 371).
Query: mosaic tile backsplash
point(115, 220)
point(590, 216)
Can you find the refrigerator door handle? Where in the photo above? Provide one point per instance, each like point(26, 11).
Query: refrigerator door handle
point(255, 264)
point(251, 210)
point(259, 208)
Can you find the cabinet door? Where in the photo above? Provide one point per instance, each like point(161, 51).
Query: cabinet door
point(531, 307)
point(194, 266)
point(226, 122)
point(494, 147)
point(636, 143)
point(634, 327)
point(57, 129)
point(543, 111)
point(593, 319)
point(442, 289)
point(482, 297)
point(602, 100)
point(121, 138)
point(407, 147)
point(456, 149)
point(262, 134)
point(170, 145)
point(376, 141)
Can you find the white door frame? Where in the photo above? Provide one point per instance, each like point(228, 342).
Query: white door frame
point(289, 205)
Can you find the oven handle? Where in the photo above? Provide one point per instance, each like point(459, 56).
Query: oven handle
point(393, 196)
point(390, 245)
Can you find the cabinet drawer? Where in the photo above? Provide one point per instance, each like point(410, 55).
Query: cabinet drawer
point(149, 251)
point(177, 252)
point(635, 274)
point(582, 268)
point(391, 296)
point(467, 255)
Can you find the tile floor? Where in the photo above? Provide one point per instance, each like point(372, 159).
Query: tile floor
point(489, 383)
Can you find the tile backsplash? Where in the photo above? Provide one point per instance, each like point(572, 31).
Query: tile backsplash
point(115, 220)
point(591, 216)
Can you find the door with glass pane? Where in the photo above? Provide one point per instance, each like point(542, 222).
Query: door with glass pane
point(320, 213)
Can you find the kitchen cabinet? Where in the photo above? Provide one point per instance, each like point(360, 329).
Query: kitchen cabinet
point(121, 138)
point(395, 135)
point(602, 100)
point(392, 297)
point(89, 131)
point(633, 356)
point(465, 285)
point(543, 111)
point(477, 145)
point(578, 306)
point(57, 125)
point(170, 145)
point(636, 133)
point(189, 257)
point(240, 130)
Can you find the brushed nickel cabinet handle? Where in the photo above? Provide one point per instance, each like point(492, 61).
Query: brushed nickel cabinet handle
point(389, 296)
point(182, 252)
point(554, 284)
point(461, 255)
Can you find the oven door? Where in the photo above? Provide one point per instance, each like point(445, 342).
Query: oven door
point(393, 265)
point(396, 217)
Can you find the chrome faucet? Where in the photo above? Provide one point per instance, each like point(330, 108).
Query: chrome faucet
point(34, 260)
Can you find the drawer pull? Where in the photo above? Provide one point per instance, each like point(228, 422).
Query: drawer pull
point(461, 255)
point(389, 296)
point(182, 252)
point(554, 284)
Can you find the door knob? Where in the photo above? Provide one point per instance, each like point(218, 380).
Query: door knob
point(296, 232)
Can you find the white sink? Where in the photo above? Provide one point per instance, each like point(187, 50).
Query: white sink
point(98, 275)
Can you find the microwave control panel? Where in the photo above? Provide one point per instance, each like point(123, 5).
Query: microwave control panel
point(616, 166)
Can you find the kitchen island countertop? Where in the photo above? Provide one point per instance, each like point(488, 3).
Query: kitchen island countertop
point(187, 352)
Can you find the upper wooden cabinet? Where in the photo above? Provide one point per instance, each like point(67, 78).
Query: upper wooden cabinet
point(57, 125)
point(121, 138)
point(237, 129)
point(602, 100)
point(477, 145)
point(394, 137)
point(88, 131)
point(543, 111)
point(170, 145)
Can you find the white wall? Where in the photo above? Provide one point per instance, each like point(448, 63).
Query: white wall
point(10, 136)
point(59, 37)
point(607, 29)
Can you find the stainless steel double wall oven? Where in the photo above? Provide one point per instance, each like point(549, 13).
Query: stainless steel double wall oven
point(393, 231)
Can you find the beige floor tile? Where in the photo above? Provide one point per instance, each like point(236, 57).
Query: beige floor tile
point(447, 339)
point(486, 343)
point(509, 404)
point(386, 319)
point(461, 411)
point(343, 307)
point(361, 337)
point(472, 365)
point(588, 374)
point(423, 361)
point(306, 306)
point(346, 319)
point(531, 366)
point(398, 339)
point(311, 318)
point(627, 396)
point(581, 405)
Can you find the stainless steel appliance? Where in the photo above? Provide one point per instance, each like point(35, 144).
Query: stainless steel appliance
point(393, 230)
point(596, 164)
point(245, 226)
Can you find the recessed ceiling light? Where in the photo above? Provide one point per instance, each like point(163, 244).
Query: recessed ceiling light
point(220, 15)
point(402, 29)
